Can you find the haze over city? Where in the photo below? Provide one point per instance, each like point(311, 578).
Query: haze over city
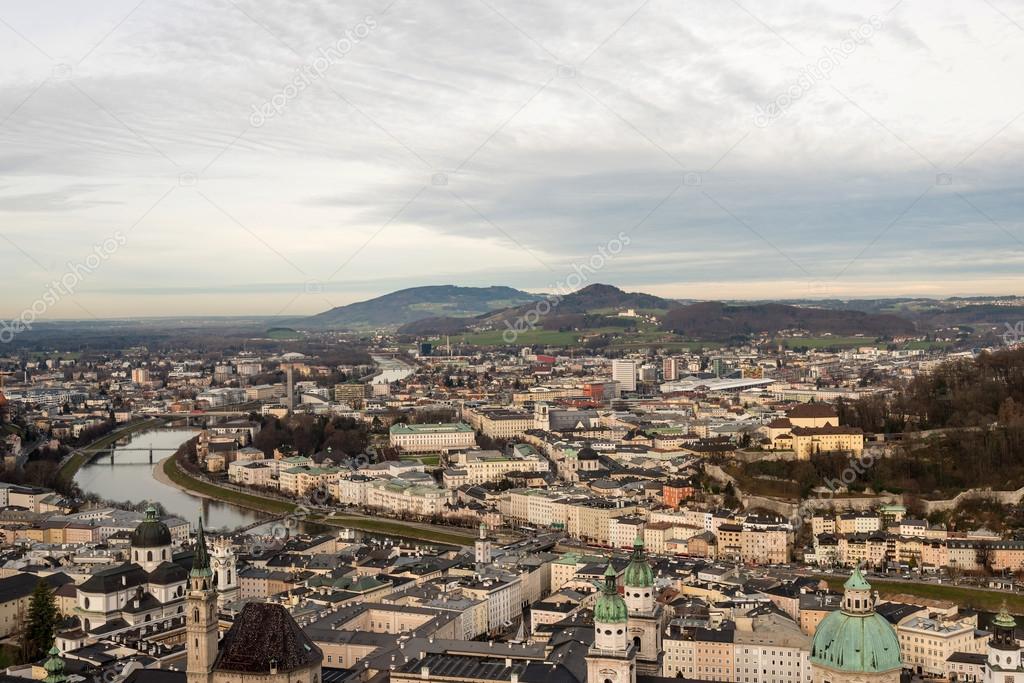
point(271, 159)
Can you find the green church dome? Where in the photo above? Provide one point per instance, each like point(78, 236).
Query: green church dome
point(856, 643)
point(856, 639)
point(610, 607)
point(638, 572)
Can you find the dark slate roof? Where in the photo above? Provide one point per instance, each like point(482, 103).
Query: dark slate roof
point(465, 667)
point(115, 578)
point(895, 612)
point(167, 573)
point(22, 584)
point(155, 676)
point(978, 659)
point(151, 533)
point(264, 633)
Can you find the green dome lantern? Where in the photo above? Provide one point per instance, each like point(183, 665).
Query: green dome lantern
point(856, 639)
point(54, 667)
point(638, 572)
point(1004, 628)
point(610, 607)
point(1003, 619)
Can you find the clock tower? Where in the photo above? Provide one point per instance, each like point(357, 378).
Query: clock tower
point(225, 576)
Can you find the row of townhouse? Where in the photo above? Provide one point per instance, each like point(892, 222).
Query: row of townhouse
point(764, 648)
point(889, 518)
point(981, 553)
point(581, 515)
point(406, 494)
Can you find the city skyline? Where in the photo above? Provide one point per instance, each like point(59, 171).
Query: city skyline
point(748, 151)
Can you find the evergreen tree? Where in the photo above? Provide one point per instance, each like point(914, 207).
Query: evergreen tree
point(43, 618)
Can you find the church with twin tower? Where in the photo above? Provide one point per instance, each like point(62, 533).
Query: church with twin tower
point(627, 630)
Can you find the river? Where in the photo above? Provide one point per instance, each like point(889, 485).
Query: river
point(128, 476)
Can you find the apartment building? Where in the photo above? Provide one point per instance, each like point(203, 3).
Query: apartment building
point(503, 598)
point(926, 644)
point(251, 473)
point(480, 467)
point(499, 423)
point(398, 496)
point(699, 653)
point(624, 373)
point(769, 648)
point(764, 546)
point(300, 481)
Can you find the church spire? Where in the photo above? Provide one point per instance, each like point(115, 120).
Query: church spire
point(201, 559)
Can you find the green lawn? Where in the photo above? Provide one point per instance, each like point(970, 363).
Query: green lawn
point(187, 481)
point(428, 460)
point(984, 600)
point(277, 507)
point(827, 342)
point(662, 340)
point(282, 334)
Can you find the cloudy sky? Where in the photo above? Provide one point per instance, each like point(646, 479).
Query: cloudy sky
point(244, 156)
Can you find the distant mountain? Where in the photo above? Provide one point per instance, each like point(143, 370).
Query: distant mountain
point(715, 320)
point(448, 309)
point(418, 303)
point(569, 311)
point(592, 299)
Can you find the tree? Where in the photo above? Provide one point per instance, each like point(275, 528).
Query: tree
point(43, 618)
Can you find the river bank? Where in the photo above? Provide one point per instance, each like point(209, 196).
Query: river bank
point(81, 456)
point(170, 473)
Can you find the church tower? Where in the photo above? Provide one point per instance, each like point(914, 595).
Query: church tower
point(225, 575)
point(483, 550)
point(1004, 661)
point(612, 657)
point(201, 615)
point(541, 416)
point(646, 616)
